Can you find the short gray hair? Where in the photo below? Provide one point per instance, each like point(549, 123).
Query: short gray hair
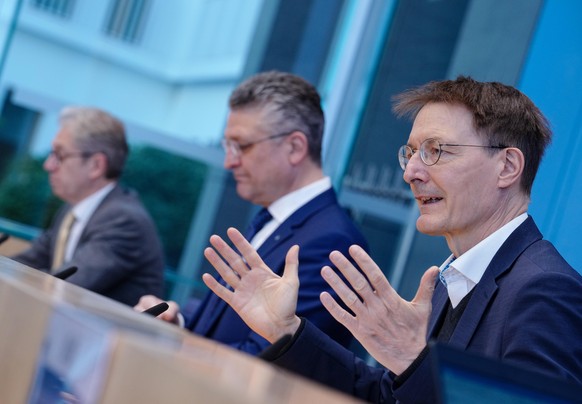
point(293, 103)
point(97, 131)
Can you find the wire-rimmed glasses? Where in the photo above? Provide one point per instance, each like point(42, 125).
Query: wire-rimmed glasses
point(236, 148)
point(430, 151)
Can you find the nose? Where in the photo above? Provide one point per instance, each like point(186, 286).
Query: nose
point(231, 160)
point(50, 163)
point(415, 169)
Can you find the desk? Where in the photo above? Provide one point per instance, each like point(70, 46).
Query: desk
point(56, 334)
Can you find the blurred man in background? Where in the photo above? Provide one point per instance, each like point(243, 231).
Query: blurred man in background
point(102, 229)
point(272, 142)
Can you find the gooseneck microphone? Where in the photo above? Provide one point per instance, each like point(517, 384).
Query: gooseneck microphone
point(4, 237)
point(157, 309)
point(65, 273)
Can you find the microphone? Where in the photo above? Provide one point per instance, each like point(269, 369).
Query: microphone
point(157, 309)
point(4, 237)
point(270, 353)
point(65, 273)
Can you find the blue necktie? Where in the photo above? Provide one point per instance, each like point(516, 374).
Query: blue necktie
point(441, 276)
point(260, 220)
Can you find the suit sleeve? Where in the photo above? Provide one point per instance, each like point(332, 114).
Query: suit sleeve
point(39, 255)
point(546, 310)
point(316, 356)
point(119, 246)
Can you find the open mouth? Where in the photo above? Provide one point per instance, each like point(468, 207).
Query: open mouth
point(428, 200)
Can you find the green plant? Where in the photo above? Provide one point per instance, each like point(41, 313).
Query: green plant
point(169, 187)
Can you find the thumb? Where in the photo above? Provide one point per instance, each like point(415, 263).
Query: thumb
point(291, 273)
point(427, 285)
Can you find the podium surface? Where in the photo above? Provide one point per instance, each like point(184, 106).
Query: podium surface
point(61, 342)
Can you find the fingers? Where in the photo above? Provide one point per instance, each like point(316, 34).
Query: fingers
point(367, 282)
point(223, 269)
point(374, 274)
point(147, 301)
point(338, 312)
point(427, 285)
point(171, 314)
point(228, 262)
point(232, 257)
point(346, 294)
point(218, 289)
point(246, 249)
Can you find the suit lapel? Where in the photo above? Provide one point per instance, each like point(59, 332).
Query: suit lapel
point(526, 234)
point(215, 307)
point(95, 219)
point(440, 301)
point(287, 229)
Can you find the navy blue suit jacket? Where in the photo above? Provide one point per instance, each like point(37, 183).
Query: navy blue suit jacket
point(318, 227)
point(527, 310)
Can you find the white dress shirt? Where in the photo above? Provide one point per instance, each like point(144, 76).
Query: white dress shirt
point(468, 269)
point(285, 206)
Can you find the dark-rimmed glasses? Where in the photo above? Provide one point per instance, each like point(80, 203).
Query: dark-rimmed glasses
point(430, 151)
point(60, 156)
point(236, 148)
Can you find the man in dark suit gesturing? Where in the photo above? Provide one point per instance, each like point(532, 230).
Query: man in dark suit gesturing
point(273, 142)
point(102, 229)
point(505, 293)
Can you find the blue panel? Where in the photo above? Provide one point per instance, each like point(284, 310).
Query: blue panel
point(552, 77)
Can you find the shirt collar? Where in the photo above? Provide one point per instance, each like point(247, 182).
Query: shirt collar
point(84, 209)
point(285, 206)
point(475, 261)
point(470, 267)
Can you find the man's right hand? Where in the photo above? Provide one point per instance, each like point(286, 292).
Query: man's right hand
point(170, 315)
point(265, 301)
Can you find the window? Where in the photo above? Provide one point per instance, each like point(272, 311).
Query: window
point(126, 19)
point(61, 8)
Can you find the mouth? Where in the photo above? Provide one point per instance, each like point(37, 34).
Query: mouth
point(428, 200)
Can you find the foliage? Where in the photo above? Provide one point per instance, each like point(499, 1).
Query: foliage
point(168, 186)
point(25, 194)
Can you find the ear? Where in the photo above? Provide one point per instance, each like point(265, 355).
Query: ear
point(298, 149)
point(99, 165)
point(513, 163)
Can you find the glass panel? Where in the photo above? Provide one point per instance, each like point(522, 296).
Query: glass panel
point(166, 70)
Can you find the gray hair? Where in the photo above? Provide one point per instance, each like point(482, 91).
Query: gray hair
point(97, 131)
point(292, 103)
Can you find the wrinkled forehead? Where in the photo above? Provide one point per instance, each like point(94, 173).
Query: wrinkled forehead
point(248, 122)
point(64, 138)
point(445, 122)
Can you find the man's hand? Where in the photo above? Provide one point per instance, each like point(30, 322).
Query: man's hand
point(264, 300)
point(170, 315)
point(391, 329)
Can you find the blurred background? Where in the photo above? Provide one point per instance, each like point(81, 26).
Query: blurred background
point(166, 68)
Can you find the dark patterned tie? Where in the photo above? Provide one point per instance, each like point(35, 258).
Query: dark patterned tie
point(260, 219)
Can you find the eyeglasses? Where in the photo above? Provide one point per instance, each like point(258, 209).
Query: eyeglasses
point(62, 156)
point(430, 151)
point(236, 148)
